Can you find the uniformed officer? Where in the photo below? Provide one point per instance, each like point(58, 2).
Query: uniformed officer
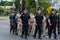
point(19, 24)
point(15, 22)
point(12, 21)
point(32, 23)
point(59, 25)
point(38, 19)
point(25, 21)
point(44, 26)
point(52, 22)
point(47, 23)
point(58, 22)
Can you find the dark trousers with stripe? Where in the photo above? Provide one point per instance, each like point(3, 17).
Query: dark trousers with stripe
point(39, 30)
point(52, 28)
point(11, 29)
point(25, 28)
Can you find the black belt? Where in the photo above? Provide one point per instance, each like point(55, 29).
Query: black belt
point(32, 22)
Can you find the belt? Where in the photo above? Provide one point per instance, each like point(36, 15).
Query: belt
point(32, 22)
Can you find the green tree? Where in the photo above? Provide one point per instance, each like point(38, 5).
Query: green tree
point(44, 5)
point(9, 3)
point(17, 3)
point(8, 12)
point(25, 3)
point(6, 2)
point(1, 9)
point(31, 5)
point(2, 3)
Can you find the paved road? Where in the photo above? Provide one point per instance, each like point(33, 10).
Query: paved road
point(5, 35)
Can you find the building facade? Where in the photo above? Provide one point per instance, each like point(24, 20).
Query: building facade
point(8, 7)
point(55, 4)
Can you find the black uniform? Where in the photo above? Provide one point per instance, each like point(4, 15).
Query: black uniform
point(25, 18)
point(15, 23)
point(47, 25)
point(12, 23)
point(53, 20)
point(38, 29)
point(58, 23)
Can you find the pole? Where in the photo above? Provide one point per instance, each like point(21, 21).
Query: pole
point(36, 1)
point(13, 4)
point(21, 5)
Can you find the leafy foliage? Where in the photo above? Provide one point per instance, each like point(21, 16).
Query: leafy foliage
point(2, 3)
point(44, 5)
point(1, 9)
point(32, 5)
point(33, 10)
point(9, 3)
point(17, 4)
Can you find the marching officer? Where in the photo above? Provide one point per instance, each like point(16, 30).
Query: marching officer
point(52, 22)
point(25, 22)
point(19, 24)
point(12, 20)
point(58, 22)
point(38, 19)
point(44, 26)
point(32, 23)
point(59, 25)
point(47, 23)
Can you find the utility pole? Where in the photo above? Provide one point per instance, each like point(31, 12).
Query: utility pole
point(13, 4)
point(36, 1)
point(21, 3)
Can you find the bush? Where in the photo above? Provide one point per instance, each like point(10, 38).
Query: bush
point(2, 3)
point(9, 3)
point(1, 9)
point(8, 12)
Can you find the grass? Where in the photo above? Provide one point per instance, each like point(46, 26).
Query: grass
point(2, 17)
